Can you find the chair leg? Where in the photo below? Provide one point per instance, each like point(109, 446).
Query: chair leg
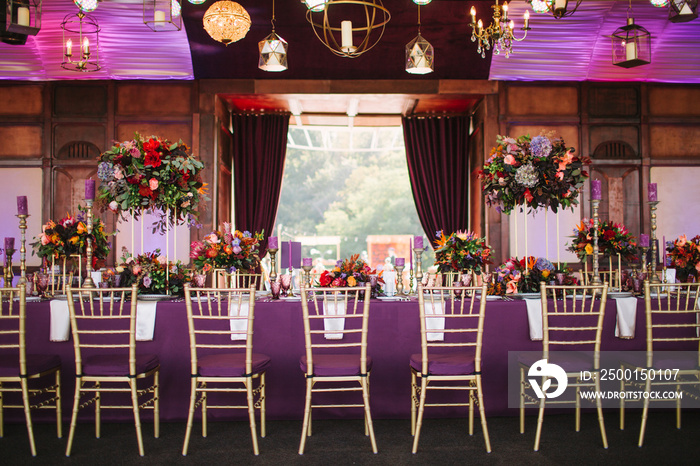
point(540, 419)
point(2, 420)
point(482, 413)
point(59, 412)
point(307, 415)
point(522, 400)
point(577, 401)
point(365, 416)
point(678, 408)
point(622, 404)
point(74, 416)
point(262, 405)
point(414, 401)
point(471, 412)
point(421, 407)
point(645, 413)
point(28, 414)
point(251, 415)
point(599, 407)
point(98, 410)
point(137, 417)
point(156, 404)
point(190, 415)
point(368, 415)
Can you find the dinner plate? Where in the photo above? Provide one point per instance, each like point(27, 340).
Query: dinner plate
point(620, 294)
point(657, 295)
point(30, 299)
point(493, 297)
point(153, 297)
point(526, 295)
point(291, 298)
point(388, 298)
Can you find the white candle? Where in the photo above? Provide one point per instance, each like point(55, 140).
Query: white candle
point(346, 36)
point(159, 16)
point(631, 51)
point(560, 4)
point(86, 46)
point(505, 13)
point(480, 25)
point(69, 48)
point(23, 16)
point(527, 19)
point(473, 13)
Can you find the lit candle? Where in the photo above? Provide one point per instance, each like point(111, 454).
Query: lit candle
point(596, 190)
point(159, 16)
point(307, 262)
point(272, 242)
point(22, 205)
point(527, 19)
point(346, 36)
point(480, 26)
point(473, 13)
point(644, 240)
point(505, 13)
point(399, 261)
point(89, 190)
point(69, 48)
point(418, 242)
point(653, 194)
point(86, 47)
point(511, 25)
point(23, 16)
point(630, 51)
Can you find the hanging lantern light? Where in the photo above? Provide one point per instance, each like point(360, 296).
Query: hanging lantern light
point(162, 15)
point(81, 43)
point(420, 55)
point(226, 22)
point(682, 11)
point(631, 46)
point(273, 50)
point(22, 17)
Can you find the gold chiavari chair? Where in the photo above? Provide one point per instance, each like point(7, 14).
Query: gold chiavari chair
point(238, 279)
point(103, 323)
point(451, 326)
point(336, 349)
point(613, 274)
point(221, 346)
point(672, 324)
point(18, 369)
point(572, 317)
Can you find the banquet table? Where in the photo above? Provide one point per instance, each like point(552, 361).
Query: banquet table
point(394, 330)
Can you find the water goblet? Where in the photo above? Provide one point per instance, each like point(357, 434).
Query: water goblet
point(42, 283)
point(560, 278)
point(457, 291)
point(275, 288)
point(466, 279)
point(286, 281)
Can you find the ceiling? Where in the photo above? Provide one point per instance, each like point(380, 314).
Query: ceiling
point(576, 48)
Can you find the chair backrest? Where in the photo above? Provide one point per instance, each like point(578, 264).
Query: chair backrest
point(572, 316)
point(12, 325)
point(335, 318)
point(672, 316)
point(238, 279)
point(461, 308)
point(220, 320)
point(613, 274)
point(103, 321)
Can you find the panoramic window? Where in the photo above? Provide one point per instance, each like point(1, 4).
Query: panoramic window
point(346, 191)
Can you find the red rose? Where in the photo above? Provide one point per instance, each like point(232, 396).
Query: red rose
point(338, 282)
point(608, 235)
point(528, 195)
point(152, 159)
point(324, 279)
point(145, 191)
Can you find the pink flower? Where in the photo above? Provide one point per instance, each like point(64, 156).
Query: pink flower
point(509, 159)
point(212, 238)
point(153, 184)
point(512, 286)
point(114, 206)
point(567, 159)
point(682, 240)
point(237, 249)
point(44, 239)
point(697, 266)
point(560, 175)
point(118, 174)
point(136, 270)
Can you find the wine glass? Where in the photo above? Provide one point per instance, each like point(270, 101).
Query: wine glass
point(457, 291)
point(286, 281)
point(275, 289)
point(42, 283)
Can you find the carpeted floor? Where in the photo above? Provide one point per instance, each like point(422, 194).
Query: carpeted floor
point(340, 442)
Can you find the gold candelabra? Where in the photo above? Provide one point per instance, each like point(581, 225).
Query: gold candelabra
point(273, 264)
point(654, 249)
point(23, 248)
point(410, 280)
point(307, 274)
point(643, 260)
point(596, 275)
point(419, 267)
point(89, 283)
point(7, 273)
point(399, 280)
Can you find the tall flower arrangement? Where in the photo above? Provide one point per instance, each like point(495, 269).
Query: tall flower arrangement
point(151, 173)
point(226, 249)
point(461, 251)
point(536, 172)
point(684, 255)
point(613, 239)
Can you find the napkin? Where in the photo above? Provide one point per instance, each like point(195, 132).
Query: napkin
point(389, 283)
point(59, 327)
point(626, 317)
point(239, 326)
point(145, 320)
point(534, 318)
point(334, 308)
point(434, 323)
point(671, 278)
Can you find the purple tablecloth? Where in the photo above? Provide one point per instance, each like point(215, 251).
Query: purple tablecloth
point(393, 336)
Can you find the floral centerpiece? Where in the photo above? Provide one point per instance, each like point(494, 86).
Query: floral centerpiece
point(461, 252)
point(511, 276)
point(535, 172)
point(69, 236)
point(151, 275)
point(348, 272)
point(684, 255)
point(226, 249)
point(613, 239)
point(151, 173)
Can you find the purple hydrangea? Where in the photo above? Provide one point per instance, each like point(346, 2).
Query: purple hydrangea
point(540, 146)
point(105, 171)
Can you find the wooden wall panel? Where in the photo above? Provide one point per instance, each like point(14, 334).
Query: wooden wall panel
point(173, 132)
point(69, 189)
point(162, 99)
point(674, 101)
point(569, 133)
point(538, 101)
point(613, 101)
point(21, 142)
point(85, 100)
point(604, 133)
point(674, 141)
point(22, 100)
point(65, 133)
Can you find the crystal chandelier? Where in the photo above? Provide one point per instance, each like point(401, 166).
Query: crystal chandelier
point(273, 50)
point(226, 22)
point(499, 34)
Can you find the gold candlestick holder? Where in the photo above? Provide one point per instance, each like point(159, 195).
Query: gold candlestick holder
point(290, 292)
point(418, 252)
point(410, 281)
point(654, 250)
point(307, 274)
point(8, 275)
point(89, 283)
point(273, 264)
point(399, 280)
point(643, 260)
point(595, 280)
point(23, 249)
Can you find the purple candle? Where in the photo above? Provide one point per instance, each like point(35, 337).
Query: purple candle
point(596, 190)
point(9, 244)
point(653, 193)
point(644, 240)
point(418, 242)
point(22, 205)
point(307, 262)
point(290, 255)
point(400, 261)
point(89, 190)
point(410, 253)
point(272, 242)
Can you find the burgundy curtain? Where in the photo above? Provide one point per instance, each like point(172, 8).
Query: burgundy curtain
point(438, 167)
point(259, 150)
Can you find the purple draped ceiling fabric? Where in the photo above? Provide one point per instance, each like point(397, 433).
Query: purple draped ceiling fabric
point(437, 150)
point(259, 151)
